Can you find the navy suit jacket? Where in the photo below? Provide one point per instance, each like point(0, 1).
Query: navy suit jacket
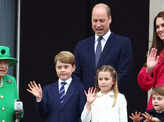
point(70, 110)
point(117, 53)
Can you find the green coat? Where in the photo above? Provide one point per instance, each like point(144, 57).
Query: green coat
point(8, 95)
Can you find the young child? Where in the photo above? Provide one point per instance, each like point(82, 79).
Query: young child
point(105, 103)
point(62, 101)
point(155, 115)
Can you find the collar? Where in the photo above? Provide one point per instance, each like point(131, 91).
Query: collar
point(68, 81)
point(105, 37)
point(110, 93)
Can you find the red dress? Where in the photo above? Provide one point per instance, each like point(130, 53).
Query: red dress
point(146, 80)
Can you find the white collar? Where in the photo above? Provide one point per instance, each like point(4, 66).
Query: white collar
point(110, 93)
point(68, 81)
point(105, 37)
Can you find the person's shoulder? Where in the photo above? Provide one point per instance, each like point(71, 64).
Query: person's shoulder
point(151, 111)
point(121, 99)
point(120, 37)
point(51, 85)
point(120, 95)
point(77, 82)
point(154, 112)
point(85, 41)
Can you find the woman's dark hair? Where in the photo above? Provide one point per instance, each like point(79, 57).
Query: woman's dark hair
point(157, 42)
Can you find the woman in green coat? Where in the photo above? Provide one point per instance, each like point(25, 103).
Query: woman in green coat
point(8, 87)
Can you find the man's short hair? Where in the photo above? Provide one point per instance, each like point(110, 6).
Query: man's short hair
point(107, 6)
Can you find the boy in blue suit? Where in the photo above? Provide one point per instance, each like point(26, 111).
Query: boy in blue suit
point(62, 101)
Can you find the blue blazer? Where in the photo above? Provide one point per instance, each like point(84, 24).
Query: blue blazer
point(117, 53)
point(70, 111)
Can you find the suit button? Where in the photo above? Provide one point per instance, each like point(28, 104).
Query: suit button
point(3, 108)
point(1, 97)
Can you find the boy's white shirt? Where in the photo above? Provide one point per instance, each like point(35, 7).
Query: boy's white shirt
point(68, 81)
point(102, 111)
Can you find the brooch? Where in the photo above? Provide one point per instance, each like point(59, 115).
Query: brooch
point(9, 80)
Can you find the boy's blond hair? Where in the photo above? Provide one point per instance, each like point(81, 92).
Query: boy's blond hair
point(112, 71)
point(159, 90)
point(65, 57)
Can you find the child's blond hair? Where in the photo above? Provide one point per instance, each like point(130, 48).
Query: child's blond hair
point(65, 57)
point(159, 90)
point(112, 71)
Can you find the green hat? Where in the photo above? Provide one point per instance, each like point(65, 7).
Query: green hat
point(5, 55)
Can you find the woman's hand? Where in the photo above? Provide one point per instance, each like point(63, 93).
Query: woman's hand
point(35, 90)
point(152, 59)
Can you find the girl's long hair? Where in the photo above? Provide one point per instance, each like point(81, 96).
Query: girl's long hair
point(112, 71)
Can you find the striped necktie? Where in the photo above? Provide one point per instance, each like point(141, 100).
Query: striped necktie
point(98, 49)
point(62, 92)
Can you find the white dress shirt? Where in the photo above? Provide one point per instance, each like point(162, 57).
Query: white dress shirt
point(103, 41)
point(102, 110)
point(66, 86)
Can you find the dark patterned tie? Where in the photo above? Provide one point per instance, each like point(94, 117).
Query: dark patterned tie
point(62, 92)
point(98, 49)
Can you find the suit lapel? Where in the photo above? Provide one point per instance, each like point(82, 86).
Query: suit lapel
point(69, 93)
point(91, 52)
point(106, 50)
point(56, 94)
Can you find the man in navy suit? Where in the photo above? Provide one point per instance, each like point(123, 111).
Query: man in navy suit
point(116, 50)
point(62, 101)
